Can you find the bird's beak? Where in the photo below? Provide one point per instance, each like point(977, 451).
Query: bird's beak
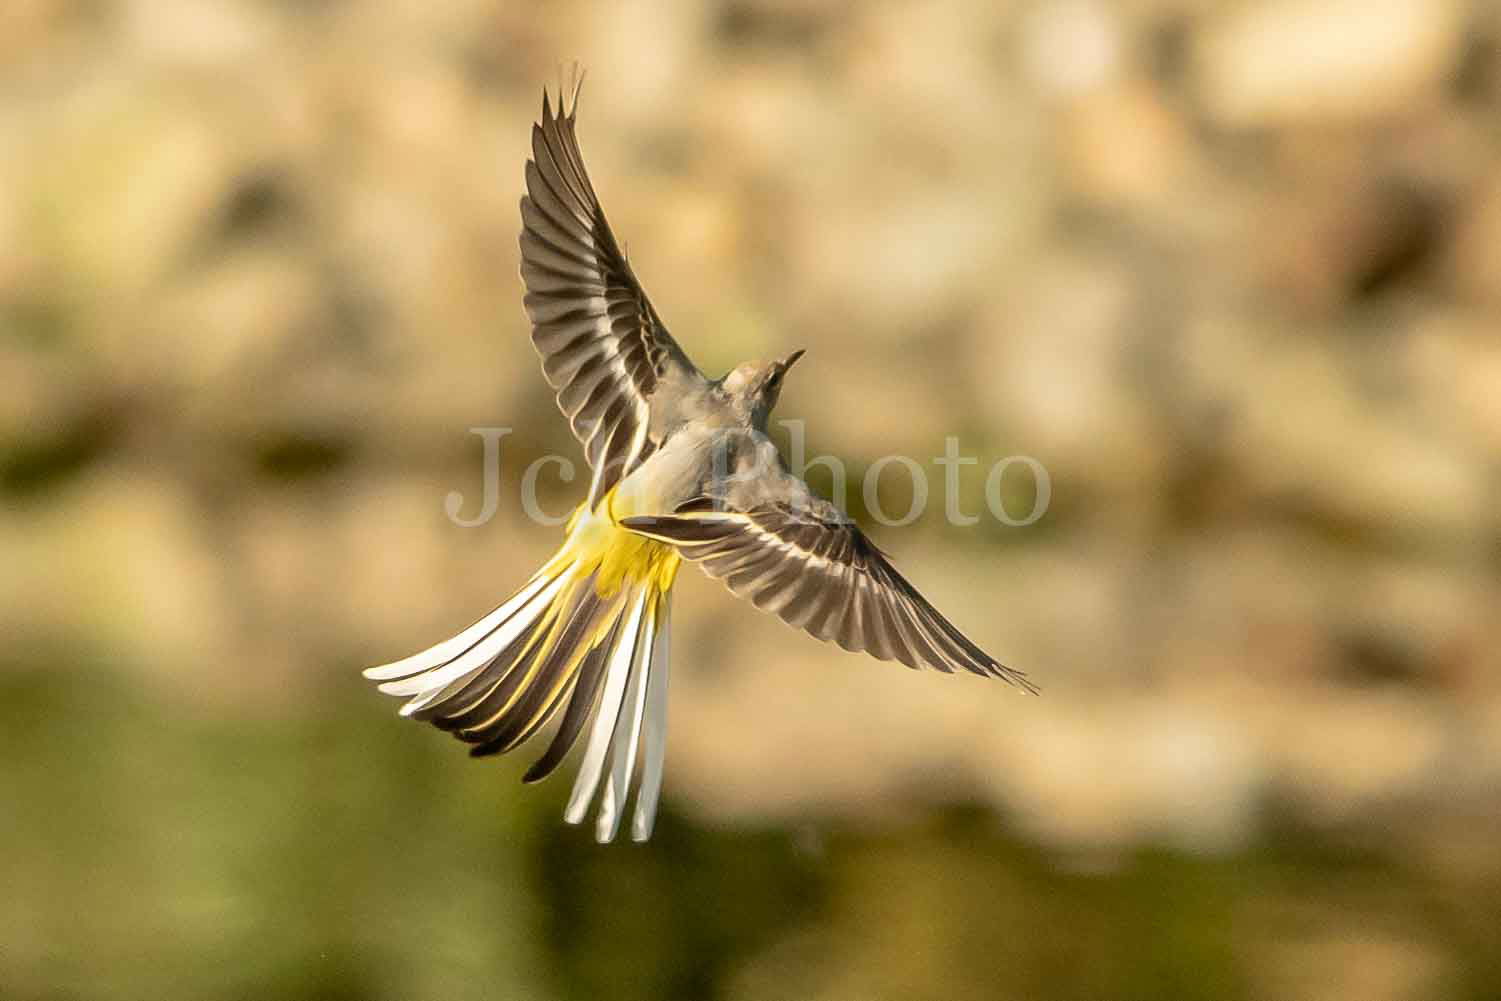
point(791, 359)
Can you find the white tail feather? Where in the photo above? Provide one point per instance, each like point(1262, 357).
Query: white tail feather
point(654, 727)
point(617, 672)
point(450, 648)
point(481, 652)
point(627, 736)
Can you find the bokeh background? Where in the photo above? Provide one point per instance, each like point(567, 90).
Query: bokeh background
point(1230, 271)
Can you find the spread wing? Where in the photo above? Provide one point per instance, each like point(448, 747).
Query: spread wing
point(603, 347)
point(818, 571)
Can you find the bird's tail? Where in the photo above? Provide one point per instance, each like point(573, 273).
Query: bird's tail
point(590, 626)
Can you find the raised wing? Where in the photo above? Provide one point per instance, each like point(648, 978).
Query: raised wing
point(820, 573)
point(603, 347)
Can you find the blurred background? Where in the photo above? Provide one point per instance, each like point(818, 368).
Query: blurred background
point(1230, 271)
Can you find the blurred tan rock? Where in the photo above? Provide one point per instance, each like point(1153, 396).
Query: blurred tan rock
point(240, 314)
point(1072, 47)
point(1058, 612)
point(1303, 429)
point(856, 734)
point(1126, 146)
point(889, 51)
point(16, 261)
point(1341, 754)
point(29, 394)
point(128, 177)
point(1425, 622)
point(1354, 960)
point(1305, 436)
point(765, 117)
point(1474, 261)
point(614, 42)
point(1097, 777)
point(30, 30)
point(394, 534)
point(889, 262)
point(1454, 359)
point(913, 421)
point(1294, 60)
point(124, 562)
point(702, 226)
point(1051, 367)
point(208, 35)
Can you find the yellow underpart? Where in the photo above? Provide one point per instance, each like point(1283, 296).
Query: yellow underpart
point(619, 560)
point(617, 557)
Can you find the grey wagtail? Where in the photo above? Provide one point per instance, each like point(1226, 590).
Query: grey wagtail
point(681, 469)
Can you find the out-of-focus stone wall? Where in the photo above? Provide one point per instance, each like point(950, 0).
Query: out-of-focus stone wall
point(1230, 271)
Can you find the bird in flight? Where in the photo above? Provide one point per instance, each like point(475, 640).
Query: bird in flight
point(682, 469)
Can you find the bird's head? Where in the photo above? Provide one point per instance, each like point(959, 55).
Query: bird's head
point(756, 385)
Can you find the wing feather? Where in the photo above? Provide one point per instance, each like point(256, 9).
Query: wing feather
point(604, 350)
point(821, 573)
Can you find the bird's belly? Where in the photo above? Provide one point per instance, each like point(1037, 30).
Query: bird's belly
point(598, 546)
point(675, 473)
